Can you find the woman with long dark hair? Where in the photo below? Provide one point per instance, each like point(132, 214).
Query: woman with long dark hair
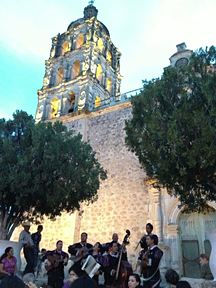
point(8, 263)
point(134, 281)
point(74, 272)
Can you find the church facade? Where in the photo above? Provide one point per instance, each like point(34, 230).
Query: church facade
point(81, 88)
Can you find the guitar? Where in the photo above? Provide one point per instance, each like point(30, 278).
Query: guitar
point(54, 260)
point(81, 253)
point(144, 262)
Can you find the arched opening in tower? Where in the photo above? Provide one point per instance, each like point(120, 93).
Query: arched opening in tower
point(79, 41)
point(109, 56)
point(59, 75)
point(99, 74)
point(64, 48)
point(109, 85)
point(72, 102)
point(75, 69)
point(54, 107)
point(100, 45)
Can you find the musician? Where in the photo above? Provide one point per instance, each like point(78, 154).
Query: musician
point(143, 244)
point(110, 270)
point(151, 261)
point(55, 262)
point(149, 229)
point(106, 247)
point(103, 261)
point(77, 249)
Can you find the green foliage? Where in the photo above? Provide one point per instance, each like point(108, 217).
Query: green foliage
point(173, 130)
point(44, 170)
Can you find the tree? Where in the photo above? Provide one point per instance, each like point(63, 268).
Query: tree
point(173, 130)
point(44, 170)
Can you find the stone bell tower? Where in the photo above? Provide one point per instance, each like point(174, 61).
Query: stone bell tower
point(83, 71)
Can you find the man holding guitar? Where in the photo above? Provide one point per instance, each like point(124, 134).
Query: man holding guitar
point(78, 250)
point(54, 264)
point(151, 261)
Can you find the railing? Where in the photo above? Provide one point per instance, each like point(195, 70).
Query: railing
point(110, 101)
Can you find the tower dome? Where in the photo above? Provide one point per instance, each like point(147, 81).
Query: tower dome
point(89, 12)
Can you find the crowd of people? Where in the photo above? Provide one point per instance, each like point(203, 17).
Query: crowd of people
point(111, 257)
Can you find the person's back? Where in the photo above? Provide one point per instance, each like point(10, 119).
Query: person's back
point(171, 277)
point(183, 284)
point(84, 282)
point(12, 282)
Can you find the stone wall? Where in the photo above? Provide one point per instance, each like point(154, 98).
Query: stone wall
point(123, 198)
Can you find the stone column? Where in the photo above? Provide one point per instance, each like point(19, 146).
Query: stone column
point(65, 72)
point(70, 42)
point(105, 80)
point(158, 216)
point(62, 108)
point(59, 107)
point(68, 77)
point(84, 38)
point(53, 48)
point(174, 245)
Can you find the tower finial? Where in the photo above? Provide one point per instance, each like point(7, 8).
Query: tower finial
point(91, 2)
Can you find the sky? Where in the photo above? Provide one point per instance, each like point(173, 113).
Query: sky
point(145, 31)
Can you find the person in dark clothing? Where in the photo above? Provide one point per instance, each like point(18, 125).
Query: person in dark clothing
point(149, 229)
point(74, 273)
point(111, 269)
point(205, 269)
point(84, 282)
point(143, 244)
point(152, 260)
point(106, 247)
point(183, 284)
point(172, 278)
point(12, 282)
point(78, 250)
point(102, 260)
point(54, 264)
point(36, 237)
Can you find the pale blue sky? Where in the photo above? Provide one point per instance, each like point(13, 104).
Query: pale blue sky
point(145, 31)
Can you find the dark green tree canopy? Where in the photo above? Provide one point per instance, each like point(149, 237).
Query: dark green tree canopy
point(173, 130)
point(44, 170)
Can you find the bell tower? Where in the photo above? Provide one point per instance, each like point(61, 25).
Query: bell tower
point(83, 70)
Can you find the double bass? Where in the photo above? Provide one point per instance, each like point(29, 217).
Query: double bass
point(124, 269)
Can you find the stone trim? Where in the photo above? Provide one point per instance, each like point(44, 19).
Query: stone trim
point(87, 114)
